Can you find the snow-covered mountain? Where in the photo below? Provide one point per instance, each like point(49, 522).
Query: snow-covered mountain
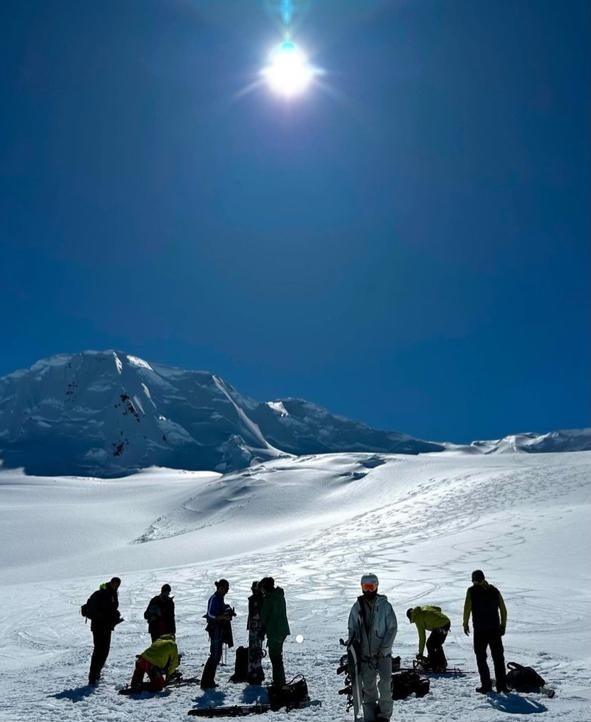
point(108, 413)
point(564, 440)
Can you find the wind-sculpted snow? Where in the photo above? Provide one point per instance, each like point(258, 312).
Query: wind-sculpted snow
point(314, 523)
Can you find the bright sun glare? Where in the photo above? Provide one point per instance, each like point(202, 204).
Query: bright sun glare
point(289, 72)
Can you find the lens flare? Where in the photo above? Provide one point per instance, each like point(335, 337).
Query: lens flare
point(289, 73)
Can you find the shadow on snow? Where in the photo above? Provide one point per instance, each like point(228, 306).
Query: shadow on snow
point(515, 704)
point(76, 694)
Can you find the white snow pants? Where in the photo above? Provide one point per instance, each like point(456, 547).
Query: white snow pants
point(375, 692)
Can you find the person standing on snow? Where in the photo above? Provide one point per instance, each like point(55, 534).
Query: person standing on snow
point(160, 614)
point(274, 625)
point(102, 608)
point(372, 630)
point(485, 602)
point(432, 619)
point(219, 626)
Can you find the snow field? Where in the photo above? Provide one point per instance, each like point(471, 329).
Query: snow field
point(315, 524)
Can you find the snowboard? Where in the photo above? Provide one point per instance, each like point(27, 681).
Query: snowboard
point(174, 682)
point(242, 710)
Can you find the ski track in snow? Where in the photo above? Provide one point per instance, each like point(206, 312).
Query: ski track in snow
point(422, 525)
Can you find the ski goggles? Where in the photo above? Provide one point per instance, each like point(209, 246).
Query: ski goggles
point(369, 587)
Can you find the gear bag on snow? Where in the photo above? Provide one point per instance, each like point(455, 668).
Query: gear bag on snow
point(406, 682)
point(523, 679)
point(241, 665)
point(290, 695)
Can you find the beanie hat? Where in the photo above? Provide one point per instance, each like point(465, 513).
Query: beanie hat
point(369, 579)
point(267, 584)
point(165, 588)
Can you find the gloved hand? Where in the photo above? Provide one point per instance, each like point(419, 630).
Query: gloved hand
point(466, 630)
point(502, 630)
point(421, 658)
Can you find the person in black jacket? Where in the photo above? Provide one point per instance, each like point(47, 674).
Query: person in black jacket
point(485, 602)
point(160, 614)
point(103, 611)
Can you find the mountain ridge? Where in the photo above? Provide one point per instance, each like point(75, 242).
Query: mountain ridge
point(109, 413)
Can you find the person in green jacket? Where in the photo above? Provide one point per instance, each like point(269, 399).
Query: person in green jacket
point(274, 625)
point(432, 619)
point(160, 661)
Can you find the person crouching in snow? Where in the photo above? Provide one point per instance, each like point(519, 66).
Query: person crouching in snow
point(372, 630)
point(431, 619)
point(160, 661)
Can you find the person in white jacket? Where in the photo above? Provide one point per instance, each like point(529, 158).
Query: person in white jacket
point(372, 630)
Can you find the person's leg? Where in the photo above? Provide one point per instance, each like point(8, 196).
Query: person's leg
point(276, 657)
point(385, 688)
point(369, 688)
point(215, 655)
point(480, 645)
point(435, 653)
point(498, 656)
point(102, 644)
point(141, 667)
point(156, 679)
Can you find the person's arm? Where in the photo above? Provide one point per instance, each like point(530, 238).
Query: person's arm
point(503, 610)
point(420, 622)
point(391, 630)
point(353, 623)
point(467, 611)
point(215, 608)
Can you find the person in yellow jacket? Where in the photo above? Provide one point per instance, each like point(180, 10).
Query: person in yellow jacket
point(159, 662)
point(432, 619)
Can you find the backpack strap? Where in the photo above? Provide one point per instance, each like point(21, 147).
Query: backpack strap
point(515, 666)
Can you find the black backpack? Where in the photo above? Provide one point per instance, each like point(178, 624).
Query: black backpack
point(240, 666)
point(292, 695)
point(88, 610)
point(523, 679)
point(406, 682)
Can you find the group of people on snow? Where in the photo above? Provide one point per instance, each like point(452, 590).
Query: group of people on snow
point(372, 628)
point(267, 617)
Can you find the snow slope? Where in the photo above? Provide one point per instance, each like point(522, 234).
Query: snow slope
point(422, 523)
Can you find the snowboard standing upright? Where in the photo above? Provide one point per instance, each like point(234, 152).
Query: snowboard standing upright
point(255, 657)
point(255, 636)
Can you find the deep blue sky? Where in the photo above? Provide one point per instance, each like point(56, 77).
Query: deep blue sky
point(409, 246)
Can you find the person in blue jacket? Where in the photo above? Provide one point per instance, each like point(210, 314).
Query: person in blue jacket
point(219, 626)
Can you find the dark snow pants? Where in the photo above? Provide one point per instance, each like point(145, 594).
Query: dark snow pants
point(435, 653)
point(215, 655)
point(276, 656)
point(484, 638)
point(102, 644)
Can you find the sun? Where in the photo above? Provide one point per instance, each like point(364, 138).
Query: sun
point(288, 73)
